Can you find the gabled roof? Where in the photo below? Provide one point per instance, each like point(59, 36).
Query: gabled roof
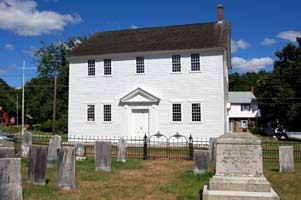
point(139, 96)
point(241, 97)
point(191, 36)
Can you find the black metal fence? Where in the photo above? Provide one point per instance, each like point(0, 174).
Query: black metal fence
point(159, 146)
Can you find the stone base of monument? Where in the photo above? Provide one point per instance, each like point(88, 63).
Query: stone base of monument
point(239, 170)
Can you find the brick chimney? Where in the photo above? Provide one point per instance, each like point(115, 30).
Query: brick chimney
point(252, 89)
point(220, 17)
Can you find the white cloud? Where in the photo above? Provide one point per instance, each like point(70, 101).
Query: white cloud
point(133, 26)
point(31, 50)
point(8, 68)
point(23, 18)
point(9, 47)
point(289, 35)
point(268, 41)
point(238, 44)
point(254, 64)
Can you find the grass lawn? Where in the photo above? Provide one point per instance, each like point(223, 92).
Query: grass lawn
point(151, 179)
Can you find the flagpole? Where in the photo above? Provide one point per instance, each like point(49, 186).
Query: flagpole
point(23, 97)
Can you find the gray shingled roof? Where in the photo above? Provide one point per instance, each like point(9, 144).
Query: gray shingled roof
point(191, 36)
point(241, 97)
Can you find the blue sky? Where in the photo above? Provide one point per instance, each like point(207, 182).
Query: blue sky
point(259, 28)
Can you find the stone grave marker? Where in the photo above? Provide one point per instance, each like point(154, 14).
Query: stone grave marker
point(66, 168)
point(212, 149)
point(26, 141)
point(201, 160)
point(53, 147)
point(121, 157)
point(80, 151)
point(7, 152)
point(286, 159)
point(239, 170)
point(37, 164)
point(10, 179)
point(103, 156)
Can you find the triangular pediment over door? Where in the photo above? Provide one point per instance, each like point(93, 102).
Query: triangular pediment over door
point(139, 96)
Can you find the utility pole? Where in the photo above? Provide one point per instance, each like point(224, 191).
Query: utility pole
point(54, 101)
point(23, 97)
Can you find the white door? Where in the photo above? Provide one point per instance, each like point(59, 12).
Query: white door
point(140, 122)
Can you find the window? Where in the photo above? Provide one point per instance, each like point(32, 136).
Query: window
point(195, 62)
point(244, 123)
point(107, 113)
point(91, 67)
point(139, 65)
point(196, 112)
point(91, 113)
point(176, 63)
point(107, 70)
point(176, 112)
point(245, 107)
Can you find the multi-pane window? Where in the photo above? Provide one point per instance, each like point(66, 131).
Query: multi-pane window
point(107, 70)
point(244, 124)
point(91, 113)
point(196, 112)
point(139, 65)
point(91, 67)
point(195, 62)
point(176, 63)
point(107, 113)
point(176, 112)
point(245, 107)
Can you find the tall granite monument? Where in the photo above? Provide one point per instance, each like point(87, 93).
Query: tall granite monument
point(239, 170)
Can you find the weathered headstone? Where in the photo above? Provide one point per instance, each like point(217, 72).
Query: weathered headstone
point(201, 160)
point(10, 179)
point(66, 168)
point(239, 170)
point(37, 164)
point(4, 143)
point(103, 156)
point(286, 159)
point(212, 149)
point(7, 152)
point(121, 157)
point(53, 147)
point(80, 151)
point(26, 141)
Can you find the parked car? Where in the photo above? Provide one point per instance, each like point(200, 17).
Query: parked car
point(280, 135)
point(7, 137)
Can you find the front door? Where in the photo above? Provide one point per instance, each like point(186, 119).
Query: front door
point(140, 122)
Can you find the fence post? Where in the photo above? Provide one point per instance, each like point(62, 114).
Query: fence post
point(145, 147)
point(190, 147)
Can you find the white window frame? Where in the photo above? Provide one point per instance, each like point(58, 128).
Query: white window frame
point(90, 66)
point(192, 62)
point(103, 113)
point(172, 112)
point(107, 64)
point(176, 62)
point(201, 113)
point(243, 107)
point(87, 112)
point(140, 63)
point(242, 122)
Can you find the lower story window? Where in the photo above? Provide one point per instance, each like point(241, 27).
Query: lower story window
point(91, 113)
point(107, 113)
point(244, 123)
point(176, 112)
point(196, 112)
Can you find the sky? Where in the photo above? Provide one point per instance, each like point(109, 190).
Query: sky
point(258, 28)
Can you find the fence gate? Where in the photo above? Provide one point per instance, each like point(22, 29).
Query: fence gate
point(157, 147)
point(178, 147)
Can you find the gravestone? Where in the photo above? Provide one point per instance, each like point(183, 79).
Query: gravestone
point(212, 149)
point(4, 143)
point(239, 170)
point(80, 151)
point(7, 152)
point(103, 156)
point(10, 179)
point(121, 157)
point(201, 160)
point(66, 168)
point(37, 164)
point(53, 147)
point(286, 159)
point(26, 141)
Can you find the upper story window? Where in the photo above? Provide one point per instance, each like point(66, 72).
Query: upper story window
point(107, 70)
point(196, 112)
point(140, 65)
point(91, 67)
point(195, 62)
point(176, 112)
point(107, 113)
point(91, 113)
point(176, 63)
point(245, 107)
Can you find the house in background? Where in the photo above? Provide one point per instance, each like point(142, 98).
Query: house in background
point(140, 81)
point(243, 110)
